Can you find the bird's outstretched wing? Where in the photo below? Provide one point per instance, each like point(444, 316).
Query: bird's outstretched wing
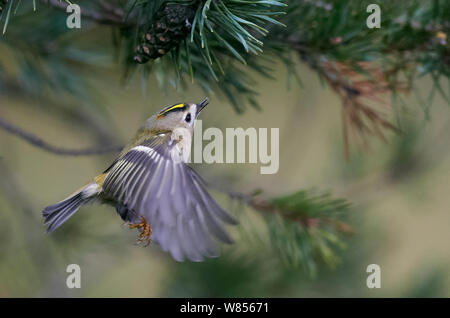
point(172, 198)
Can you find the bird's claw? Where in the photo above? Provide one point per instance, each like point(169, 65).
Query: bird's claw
point(146, 231)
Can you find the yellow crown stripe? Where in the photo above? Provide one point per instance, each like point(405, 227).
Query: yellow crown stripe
point(171, 108)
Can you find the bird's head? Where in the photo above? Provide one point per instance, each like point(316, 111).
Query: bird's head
point(181, 115)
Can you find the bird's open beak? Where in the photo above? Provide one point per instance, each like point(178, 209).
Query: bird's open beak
point(202, 105)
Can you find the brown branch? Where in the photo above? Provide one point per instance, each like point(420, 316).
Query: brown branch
point(38, 142)
point(360, 117)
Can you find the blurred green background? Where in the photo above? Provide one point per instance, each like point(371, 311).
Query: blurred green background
point(66, 87)
point(399, 191)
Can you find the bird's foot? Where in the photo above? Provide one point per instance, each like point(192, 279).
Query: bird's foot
point(146, 231)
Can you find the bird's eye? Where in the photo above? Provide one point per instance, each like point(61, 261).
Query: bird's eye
point(188, 118)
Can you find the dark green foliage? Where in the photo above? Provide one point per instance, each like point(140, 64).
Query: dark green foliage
point(223, 35)
point(225, 39)
point(3, 4)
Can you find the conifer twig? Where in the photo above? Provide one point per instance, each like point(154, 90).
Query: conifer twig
point(266, 206)
point(40, 143)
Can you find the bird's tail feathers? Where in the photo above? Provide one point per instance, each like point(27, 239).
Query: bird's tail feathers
point(55, 215)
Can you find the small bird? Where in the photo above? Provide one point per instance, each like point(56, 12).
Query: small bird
point(155, 191)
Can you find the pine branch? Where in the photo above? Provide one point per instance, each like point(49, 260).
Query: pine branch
point(363, 68)
point(223, 41)
point(360, 118)
point(306, 227)
point(40, 143)
point(273, 208)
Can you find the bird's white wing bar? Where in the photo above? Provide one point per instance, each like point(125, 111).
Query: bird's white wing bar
point(171, 197)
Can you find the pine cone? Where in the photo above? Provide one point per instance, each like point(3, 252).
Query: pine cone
point(3, 4)
point(171, 24)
